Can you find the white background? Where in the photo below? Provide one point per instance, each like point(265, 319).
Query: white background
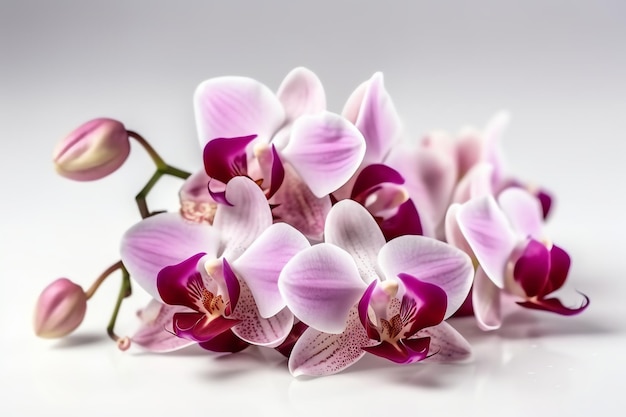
point(558, 66)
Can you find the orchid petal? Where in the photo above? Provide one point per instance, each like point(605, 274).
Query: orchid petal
point(532, 268)
point(286, 347)
point(301, 92)
point(406, 221)
point(469, 147)
point(225, 158)
point(546, 200)
point(428, 300)
point(261, 264)
point(232, 285)
point(351, 227)
point(353, 104)
point(554, 305)
point(489, 234)
point(317, 353)
point(227, 107)
point(162, 240)
point(153, 335)
point(492, 151)
point(254, 329)
point(446, 343)
point(405, 352)
point(225, 342)
point(182, 284)
point(363, 310)
point(247, 217)
point(559, 268)
point(200, 328)
point(431, 261)
point(476, 183)
point(372, 176)
point(524, 212)
point(296, 205)
point(453, 233)
point(320, 285)
point(486, 302)
point(377, 120)
point(326, 150)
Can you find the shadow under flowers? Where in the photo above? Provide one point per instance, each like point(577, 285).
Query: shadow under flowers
point(81, 339)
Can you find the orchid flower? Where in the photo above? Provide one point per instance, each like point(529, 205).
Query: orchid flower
point(515, 257)
point(246, 129)
point(359, 293)
point(474, 148)
point(224, 273)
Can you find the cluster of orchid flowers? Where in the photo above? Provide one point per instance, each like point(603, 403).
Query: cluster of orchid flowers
point(325, 236)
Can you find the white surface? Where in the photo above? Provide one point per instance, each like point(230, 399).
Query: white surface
point(558, 67)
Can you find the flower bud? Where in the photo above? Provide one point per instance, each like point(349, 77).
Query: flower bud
point(60, 309)
point(93, 150)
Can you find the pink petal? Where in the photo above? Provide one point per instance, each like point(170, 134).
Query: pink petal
point(261, 264)
point(406, 352)
point(476, 183)
point(524, 212)
point(245, 219)
point(446, 344)
point(492, 151)
point(469, 148)
point(433, 262)
point(454, 236)
point(301, 92)
point(296, 205)
point(320, 285)
point(326, 150)
point(228, 107)
point(162, 240)
point(489, 234)
point(225, 342)
point(351, 227)
point(486, 302)
point(254, 329)
point(353, 104)
point(318, 354)
point(155, 333)
point(378, 121)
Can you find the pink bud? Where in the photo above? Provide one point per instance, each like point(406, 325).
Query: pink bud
point(93, 150)
point(60, 309)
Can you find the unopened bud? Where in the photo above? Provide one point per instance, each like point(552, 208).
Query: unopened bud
point(93, 150)
point(60, 309)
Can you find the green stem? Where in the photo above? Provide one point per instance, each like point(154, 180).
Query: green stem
point(125, 291)
point(94, 287)
point(161, 169)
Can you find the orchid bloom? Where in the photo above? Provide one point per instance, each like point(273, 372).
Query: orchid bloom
point(288, 137)
point(359, 293)
point(507, 238)
point(474, 148)
point(224, 273)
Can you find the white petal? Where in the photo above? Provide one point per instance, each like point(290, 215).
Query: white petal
point(524, 212)
point(240, 224)
point(431, 261)
point(351, 227)
point(320, 285)
point(489, 234)
point(325, 149)
point(486, 302)
point(301, 92)
point(227, 107)
point(261, 264)
point(163, 240)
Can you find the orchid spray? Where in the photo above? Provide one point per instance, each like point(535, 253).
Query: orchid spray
point(323, 235)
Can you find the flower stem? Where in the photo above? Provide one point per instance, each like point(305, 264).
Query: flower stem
point(94, 287)
point(161, 169)
point(125, 291)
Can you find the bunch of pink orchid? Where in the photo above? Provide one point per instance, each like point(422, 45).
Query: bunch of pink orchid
point(322, 235)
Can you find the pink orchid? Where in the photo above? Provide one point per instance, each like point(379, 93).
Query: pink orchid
point(475, 148)
point(515, 257)
point(246, 129)
point(359, 293)
point(224, 273)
